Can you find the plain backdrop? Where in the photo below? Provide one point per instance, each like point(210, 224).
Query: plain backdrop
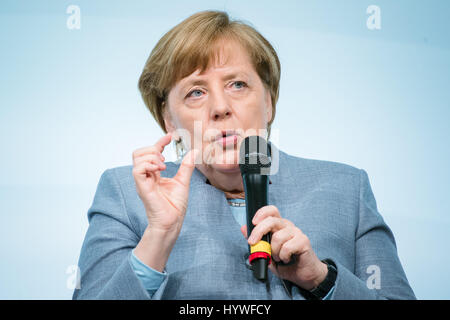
point(70, 109)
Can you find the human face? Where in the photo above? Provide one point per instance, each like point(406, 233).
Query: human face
point(228, 96)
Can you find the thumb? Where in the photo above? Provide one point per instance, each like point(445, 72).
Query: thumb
point(244, 231)
point(187, 166)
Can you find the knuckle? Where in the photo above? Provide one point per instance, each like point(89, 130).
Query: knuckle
point(283, 248)
point(303, 241)
point(270, 220)
point(267, 223)
point(273, 208)
point(275, 239)
point(267, 210)
point(282, 254)
point(256, 231)
point(307, 242)
point(150, 159)
point(288, 222)
point(142, 152)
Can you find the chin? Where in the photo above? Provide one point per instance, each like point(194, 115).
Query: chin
point(229, 166)
point(226, 168)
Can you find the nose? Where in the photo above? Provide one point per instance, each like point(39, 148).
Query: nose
point(220, 107)
point(221, 114)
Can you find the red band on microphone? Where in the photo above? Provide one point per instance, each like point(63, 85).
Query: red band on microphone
point(257, 255)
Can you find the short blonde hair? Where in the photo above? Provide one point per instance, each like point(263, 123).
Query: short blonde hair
point(192, 45)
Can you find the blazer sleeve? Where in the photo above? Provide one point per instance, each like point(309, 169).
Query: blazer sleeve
point(378, 272)
point(106, 272)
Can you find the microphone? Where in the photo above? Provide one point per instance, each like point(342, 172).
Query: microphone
point(254, 164)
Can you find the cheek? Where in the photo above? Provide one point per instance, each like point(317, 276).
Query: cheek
point(186, 118)
point(253, 115)
point(191, 122)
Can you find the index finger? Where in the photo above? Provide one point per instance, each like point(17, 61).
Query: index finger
point(158, 146)
point(264, 212)
point(163, 141)
point(270, 224)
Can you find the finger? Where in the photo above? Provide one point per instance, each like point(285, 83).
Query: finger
point(264, 212)
point(145, 151)
point(151, 158)
point(244, 231)
point(158, 147)
point(270, 224)
point(296, 245)
point(273, 268)
point(278, 239)
point(142, 171)
point(163, 141)
point(148, 156)
point(187, 167)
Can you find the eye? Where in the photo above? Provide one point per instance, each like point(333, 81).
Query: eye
point(240, 84)
point(193, 92)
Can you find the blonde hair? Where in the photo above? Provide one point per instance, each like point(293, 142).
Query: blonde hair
point(192, 45)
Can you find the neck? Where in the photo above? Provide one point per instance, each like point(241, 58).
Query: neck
point(229, 182)
point(235, 195)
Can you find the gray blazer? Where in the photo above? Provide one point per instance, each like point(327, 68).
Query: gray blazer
point(332, 203)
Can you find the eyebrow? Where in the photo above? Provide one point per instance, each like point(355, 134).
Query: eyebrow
point(203, 82)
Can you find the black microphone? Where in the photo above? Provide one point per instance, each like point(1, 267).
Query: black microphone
point(254, 164)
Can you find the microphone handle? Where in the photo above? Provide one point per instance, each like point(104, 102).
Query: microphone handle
point(256, 194)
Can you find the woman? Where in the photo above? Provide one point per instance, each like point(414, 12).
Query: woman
point(166, 230)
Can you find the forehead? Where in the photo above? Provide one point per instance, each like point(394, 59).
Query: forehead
point(230, 60)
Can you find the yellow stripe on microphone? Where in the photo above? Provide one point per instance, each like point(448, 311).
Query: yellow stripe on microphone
point(261, 246)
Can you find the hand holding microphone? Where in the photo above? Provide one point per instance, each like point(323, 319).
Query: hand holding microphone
point(271, 236)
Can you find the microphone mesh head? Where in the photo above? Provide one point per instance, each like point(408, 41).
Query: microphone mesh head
point(254, 155)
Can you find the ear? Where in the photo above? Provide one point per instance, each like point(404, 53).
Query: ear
point(168, 122)
point(269, 105)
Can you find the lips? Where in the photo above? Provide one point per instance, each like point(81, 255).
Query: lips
point(224, 134)
point(226, 137)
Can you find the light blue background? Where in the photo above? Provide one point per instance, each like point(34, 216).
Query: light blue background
point(70, 108)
